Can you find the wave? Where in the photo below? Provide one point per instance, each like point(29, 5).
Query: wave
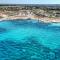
point(55, 24)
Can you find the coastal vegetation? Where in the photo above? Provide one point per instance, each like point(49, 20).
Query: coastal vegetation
point(29, 11)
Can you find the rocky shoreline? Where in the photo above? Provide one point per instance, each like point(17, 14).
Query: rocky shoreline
point(44, 13)
point(26, 14)
point(43, 19)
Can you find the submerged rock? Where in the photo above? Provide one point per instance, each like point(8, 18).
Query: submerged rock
point(29, 50)
point(24, 51)
point(2, 30)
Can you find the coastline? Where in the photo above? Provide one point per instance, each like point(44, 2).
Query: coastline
point(43, 19)
point(42, 13)
point(27, 15)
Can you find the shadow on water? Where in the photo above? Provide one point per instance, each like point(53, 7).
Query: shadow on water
point(29, 50)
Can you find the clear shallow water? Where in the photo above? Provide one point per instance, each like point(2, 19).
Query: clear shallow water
point(29, 40)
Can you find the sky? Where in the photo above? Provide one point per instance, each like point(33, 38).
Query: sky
point(29, 1)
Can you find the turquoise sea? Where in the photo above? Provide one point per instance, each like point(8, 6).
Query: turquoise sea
point(29, 40)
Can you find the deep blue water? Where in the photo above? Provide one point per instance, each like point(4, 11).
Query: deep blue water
point(29, 40)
